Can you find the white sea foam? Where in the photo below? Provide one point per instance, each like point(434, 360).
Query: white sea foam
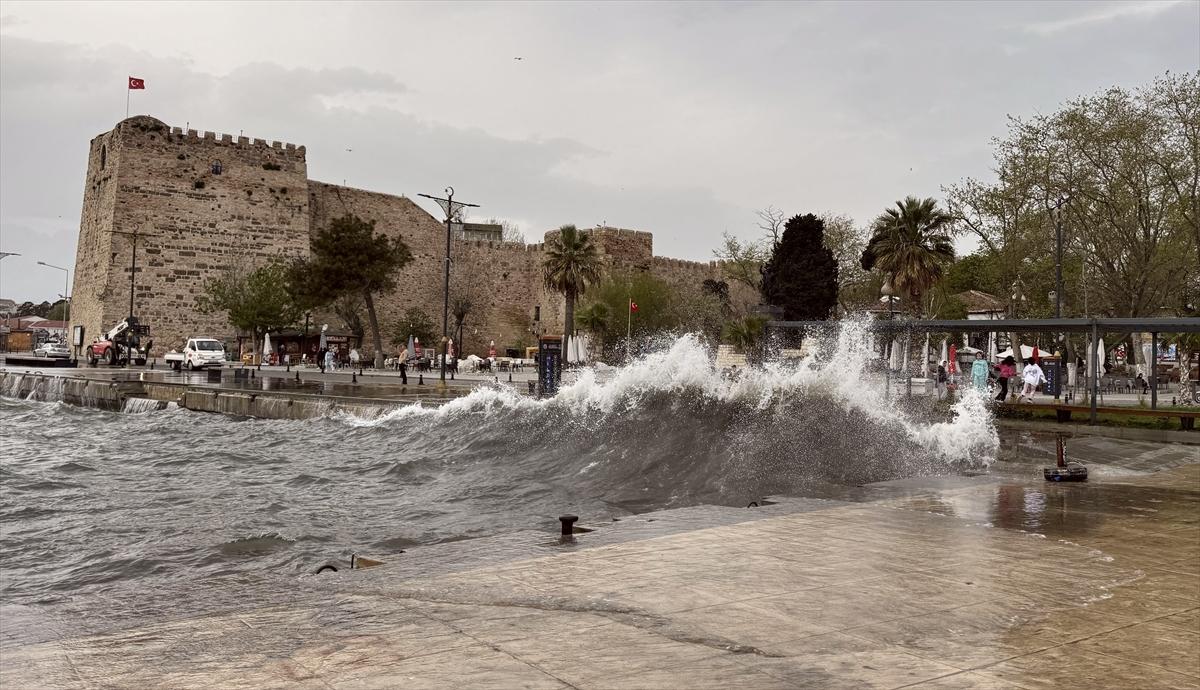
point(835, 369)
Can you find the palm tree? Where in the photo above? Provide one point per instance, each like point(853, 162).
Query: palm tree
point(745, 333)
point(911, 244)
point(572, 264)
point(593, 318)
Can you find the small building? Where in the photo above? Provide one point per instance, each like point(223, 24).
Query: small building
point(982, 306)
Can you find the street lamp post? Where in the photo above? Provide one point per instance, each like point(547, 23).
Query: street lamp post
point(66, 283)
point(889, 294)
point(453, 209)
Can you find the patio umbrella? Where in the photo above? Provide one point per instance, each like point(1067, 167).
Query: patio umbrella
point(267, 345)
point(945, 355)
point(1147, 359)
point(584, 346)
point(411, 351)
point(492, 349)
point(895, 361)
point(991, 351)
point(1035, 355)
point(324, 341)
point(951, 361)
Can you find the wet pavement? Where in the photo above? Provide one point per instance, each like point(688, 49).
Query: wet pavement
point(996, 580)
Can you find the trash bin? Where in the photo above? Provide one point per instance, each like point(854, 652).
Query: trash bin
point(214, 375)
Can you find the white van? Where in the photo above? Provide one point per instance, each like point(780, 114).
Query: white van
point(198, 354)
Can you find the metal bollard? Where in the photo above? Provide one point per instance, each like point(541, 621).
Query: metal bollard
point(568, 524)
point(510, 377)
point(353, 377)
point(297, 376)
point(420, 379)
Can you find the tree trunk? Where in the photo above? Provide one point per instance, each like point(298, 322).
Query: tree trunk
point(569, 326)
point(375, 334)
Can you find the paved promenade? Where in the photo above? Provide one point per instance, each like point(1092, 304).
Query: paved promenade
point(973, 582)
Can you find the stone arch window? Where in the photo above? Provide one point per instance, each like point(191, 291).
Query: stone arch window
point(537, 313)
point(103, 156)
point(217, 168)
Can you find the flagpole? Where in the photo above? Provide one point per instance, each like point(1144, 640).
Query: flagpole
point(127, 92)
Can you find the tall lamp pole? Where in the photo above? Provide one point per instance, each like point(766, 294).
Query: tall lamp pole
point(889, 294)
point(453, 211)
point(66, 293)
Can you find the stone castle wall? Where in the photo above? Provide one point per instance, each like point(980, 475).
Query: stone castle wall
point(207, 203)
point(204, 203)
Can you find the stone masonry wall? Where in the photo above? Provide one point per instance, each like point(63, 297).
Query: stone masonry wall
point(205, 202)
point(90, 291)
point(208, 202)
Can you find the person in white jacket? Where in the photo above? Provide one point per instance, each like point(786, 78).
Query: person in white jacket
point(1032, 376)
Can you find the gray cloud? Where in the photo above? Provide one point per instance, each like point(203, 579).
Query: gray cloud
point(680, 119)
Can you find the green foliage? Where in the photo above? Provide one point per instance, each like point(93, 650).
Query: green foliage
point(417, 323)
point(572, 264)
point(745, 334)
point(742, 261)
point(911, 244)
point(1117, 173)
point(802, 274)
point(847, 241)
point(350, 259)
point(257, 301)
point(31, 309)
point(657, 308)
point(58, 311)
point(594, 318)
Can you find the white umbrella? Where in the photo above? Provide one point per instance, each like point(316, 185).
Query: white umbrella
point(945, 353)
point(1147, 359)
point(411, 351)
point(267, 345)
point(991, 354)
point(324, 341)
point(895, 361)
point(584, 347)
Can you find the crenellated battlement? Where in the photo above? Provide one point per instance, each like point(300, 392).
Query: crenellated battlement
point(147, 124)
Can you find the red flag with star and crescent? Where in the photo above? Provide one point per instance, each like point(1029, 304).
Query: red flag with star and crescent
point(135, 83)
point(632, 306)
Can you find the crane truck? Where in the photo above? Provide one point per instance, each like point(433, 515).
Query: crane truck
point(124, 343)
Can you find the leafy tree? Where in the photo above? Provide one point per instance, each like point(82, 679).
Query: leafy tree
point(745, 334)
point(256, 301)
point(31, 309)
point(911, 244)
point(741, 261)
point(417, 323)
point(572, 264)
point(802, 275)
point(659, 309)
point(348, 308)
point(350, 258)
point(594, 318)
point(58, 311)
point(847, 242)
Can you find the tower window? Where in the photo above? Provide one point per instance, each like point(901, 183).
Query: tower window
point(103, 156)
point(537, 313)
point(217, 167)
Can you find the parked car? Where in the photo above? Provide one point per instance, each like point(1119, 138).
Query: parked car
point(55, 350)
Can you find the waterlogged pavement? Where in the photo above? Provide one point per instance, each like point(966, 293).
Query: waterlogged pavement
point(992, 581)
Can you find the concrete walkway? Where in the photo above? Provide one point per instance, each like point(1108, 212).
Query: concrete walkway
point(979, 583)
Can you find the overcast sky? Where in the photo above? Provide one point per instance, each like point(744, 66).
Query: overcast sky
point(680, 119)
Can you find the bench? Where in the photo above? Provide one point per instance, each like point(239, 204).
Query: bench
point(1187, 419)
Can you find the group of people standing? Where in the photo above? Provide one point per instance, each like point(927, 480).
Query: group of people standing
point(1031, 376)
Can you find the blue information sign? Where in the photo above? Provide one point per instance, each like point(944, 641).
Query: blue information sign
point(549, 365)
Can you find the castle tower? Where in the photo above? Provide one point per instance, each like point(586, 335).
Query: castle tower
point(202, 202)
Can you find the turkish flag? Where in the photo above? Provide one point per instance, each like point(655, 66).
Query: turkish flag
point(135, 83)
point(632, 305)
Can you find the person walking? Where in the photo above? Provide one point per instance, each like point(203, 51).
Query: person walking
point(941, 380)
point(322, 358)
point(1141, 382)
point(979, 372)
point(355, 358)
point(404, 366)
point(1005, 372)
point(1033, 376)
point(329, 359)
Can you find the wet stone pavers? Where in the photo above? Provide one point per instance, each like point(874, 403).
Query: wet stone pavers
point(972, 583)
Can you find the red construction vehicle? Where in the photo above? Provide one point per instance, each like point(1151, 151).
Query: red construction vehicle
point(123, 344)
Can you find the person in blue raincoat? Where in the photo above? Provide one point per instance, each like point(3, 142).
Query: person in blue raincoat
point(979, 373)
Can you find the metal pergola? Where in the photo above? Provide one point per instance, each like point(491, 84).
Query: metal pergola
point(1095, 326)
